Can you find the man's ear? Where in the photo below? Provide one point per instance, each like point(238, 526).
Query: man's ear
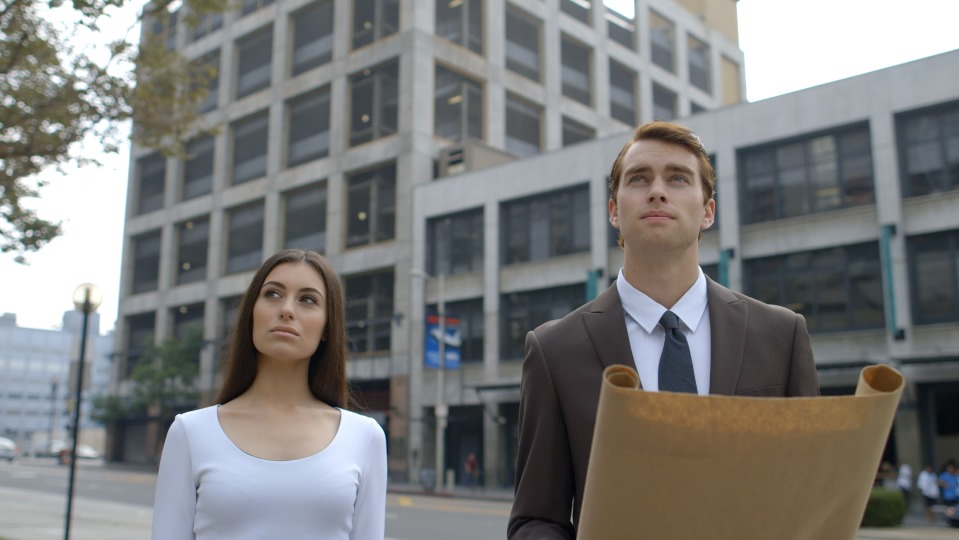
point(613, 214)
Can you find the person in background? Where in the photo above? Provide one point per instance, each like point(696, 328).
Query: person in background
point(279, 456)
point(904, 481)
point(680, 330)
point(949, 484)
point(928, 485)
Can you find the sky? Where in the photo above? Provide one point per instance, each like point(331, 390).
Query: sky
point(788, 45)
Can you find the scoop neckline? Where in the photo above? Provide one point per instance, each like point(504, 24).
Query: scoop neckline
point(222, 432)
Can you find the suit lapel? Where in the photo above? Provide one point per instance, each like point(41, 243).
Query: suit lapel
point(727, 322)
point(606, 325)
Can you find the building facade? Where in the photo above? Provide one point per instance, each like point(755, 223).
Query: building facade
point(38, 383)
point(840, 202)
point(332, 112)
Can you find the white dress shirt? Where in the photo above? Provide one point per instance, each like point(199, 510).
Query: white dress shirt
point(646, 335)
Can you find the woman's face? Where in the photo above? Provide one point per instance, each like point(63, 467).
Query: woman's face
point(289, 316)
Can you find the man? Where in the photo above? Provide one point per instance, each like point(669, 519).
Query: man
point(661, 198)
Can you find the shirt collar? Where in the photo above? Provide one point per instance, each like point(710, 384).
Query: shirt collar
point(647, 312)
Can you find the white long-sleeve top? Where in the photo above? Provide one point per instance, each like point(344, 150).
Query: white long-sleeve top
point(207, 488)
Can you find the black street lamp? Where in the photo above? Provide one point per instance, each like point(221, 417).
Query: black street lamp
point(86, 298)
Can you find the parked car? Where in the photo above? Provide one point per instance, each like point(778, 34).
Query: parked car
point(8, 449)
point(85, 451)
point(952, 516)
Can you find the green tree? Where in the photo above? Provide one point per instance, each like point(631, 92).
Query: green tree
point(54, 95)
point(164, 383)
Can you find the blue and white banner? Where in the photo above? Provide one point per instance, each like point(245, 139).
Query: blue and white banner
point(431, 345)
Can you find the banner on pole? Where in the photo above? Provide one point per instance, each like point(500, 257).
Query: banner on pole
point(431, 344)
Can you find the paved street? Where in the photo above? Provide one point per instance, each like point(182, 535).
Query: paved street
point(115, 504)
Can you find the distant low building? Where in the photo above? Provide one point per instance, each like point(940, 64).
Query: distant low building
point(36, 390)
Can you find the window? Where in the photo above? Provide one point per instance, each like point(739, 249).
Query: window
point(208, 23)
point(198, 168)
point(575, 132)
point(369, 311)
point(151, 173)
point(523, 126)
point(696, 108)
point(146, 262)
point(207, 74)
point(309, 121)
point(255, 54)
point(835, 289)
point(575, 70)
point(458, 106)
point(523, 311)
point(249, 6)
point(250, 139)
point(244, 249)
point(455, 243)
point(188, 319)
point(664, 103)
point(374, 93)
point(139, 337)
point(470, 316)
point(577, 9)
point(312, 36)
point(661, 34)
point(929, 150)
point(461, 21)
point(373, 20)
point(522, 44)
point(622, 93)
point(620, 29)
point(934, 277)
point(305, 226)
point(192, 239)
point(164, 28)
point(371, 206)
point(806, 175)
point(545, 226)
point(698, 64)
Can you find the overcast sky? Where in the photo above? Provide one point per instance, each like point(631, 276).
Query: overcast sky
point(788, 44)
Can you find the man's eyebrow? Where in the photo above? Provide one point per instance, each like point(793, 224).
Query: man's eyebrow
point(672, 167)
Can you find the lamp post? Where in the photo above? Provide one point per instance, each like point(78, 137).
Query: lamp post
point(86, 298)
point(440, 408)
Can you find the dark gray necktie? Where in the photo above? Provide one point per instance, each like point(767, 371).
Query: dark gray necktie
point(676, 364)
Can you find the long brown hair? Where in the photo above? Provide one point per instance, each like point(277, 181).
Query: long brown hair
point(327, 372)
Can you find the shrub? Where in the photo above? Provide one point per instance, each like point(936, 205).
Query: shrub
point(886, 508)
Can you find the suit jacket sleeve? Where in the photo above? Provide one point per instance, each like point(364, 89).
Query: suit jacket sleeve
point(545, 485)
point(803, 381)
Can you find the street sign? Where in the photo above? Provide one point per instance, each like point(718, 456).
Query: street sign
point(431, 344)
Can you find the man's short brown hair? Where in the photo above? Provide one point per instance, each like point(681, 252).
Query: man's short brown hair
point(670, 133)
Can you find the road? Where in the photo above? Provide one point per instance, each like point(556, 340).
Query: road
point(114, 504)
point(33, 492)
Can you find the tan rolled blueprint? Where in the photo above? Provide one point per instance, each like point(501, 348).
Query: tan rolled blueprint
point(682, 466)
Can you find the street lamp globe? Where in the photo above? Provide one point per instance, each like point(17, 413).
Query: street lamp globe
point(87, 297)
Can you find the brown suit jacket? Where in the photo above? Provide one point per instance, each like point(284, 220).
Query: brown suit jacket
point(757, 350)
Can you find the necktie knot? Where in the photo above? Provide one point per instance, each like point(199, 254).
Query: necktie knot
point(669, 320)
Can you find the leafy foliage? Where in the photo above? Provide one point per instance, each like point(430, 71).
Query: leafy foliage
point(164, 382)
point(54, 95)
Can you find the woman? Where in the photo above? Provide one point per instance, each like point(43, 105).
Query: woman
point(279, 457)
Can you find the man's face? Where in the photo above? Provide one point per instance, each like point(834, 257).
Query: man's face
point(659, 203)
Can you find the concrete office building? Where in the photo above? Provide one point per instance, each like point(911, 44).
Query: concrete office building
point(839, 201)
point(37, 384)
point(331, 114)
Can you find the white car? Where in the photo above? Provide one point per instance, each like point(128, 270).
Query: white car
point(8, 449)
point(85, 451)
